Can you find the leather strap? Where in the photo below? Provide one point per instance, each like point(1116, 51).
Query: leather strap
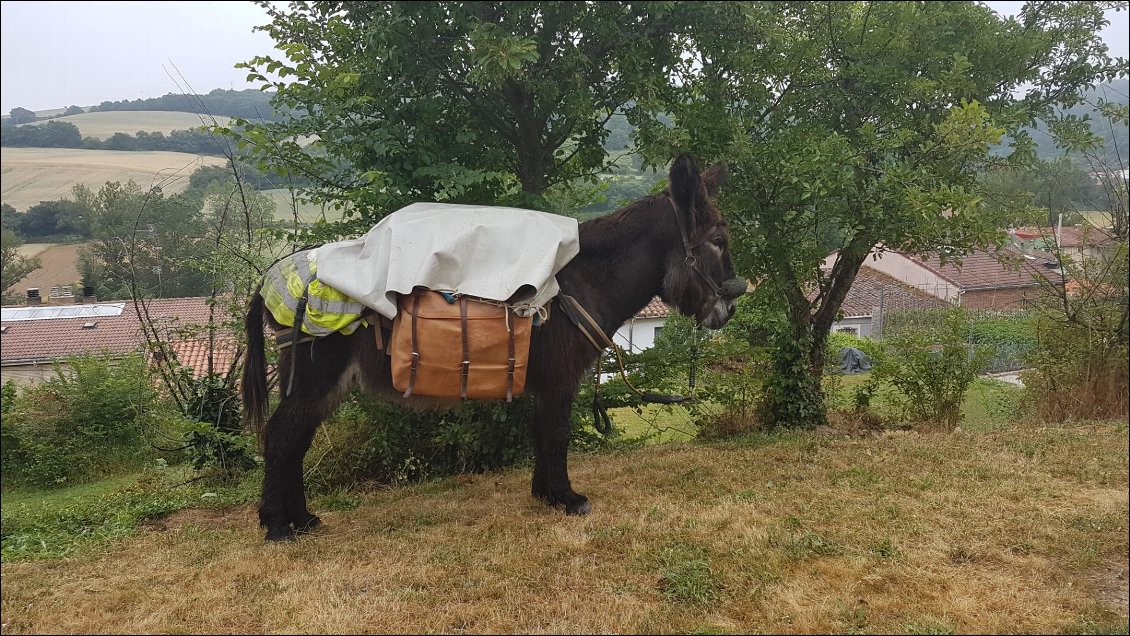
point(415, 346)
point(299, 318)
point(466, 367)
point(510, 360)
point(583, 321)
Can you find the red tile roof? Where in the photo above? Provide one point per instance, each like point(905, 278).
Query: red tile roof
point(194, 355)
point(655, 308)
point(1070, 236)
point(54, 338)
point(873, 289)
point(999, 269)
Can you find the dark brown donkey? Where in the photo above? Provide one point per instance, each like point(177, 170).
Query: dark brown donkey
point(673, 245)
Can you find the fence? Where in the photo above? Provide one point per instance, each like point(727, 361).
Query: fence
point(1007, 332)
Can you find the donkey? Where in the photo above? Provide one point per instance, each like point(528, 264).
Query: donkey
point(673, 245)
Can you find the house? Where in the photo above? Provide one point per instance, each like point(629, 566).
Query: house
point(1076, 241)
point(34, 337)
point(640, 331)
point(875, 294)
point(1005, 278)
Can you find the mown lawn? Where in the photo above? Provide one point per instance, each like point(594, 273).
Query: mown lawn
point(1016, 527)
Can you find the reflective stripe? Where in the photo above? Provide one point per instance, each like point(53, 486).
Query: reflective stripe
point(335, 306)
point(327, 309)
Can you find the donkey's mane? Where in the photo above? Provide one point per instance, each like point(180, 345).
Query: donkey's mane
point(607, 235)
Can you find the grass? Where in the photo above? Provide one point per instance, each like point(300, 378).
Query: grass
point(1008, 528)
point(86, 518)
point(53, 500)
point(103, 125)
point(31, 175)
point(988, 403)
point(654, 423)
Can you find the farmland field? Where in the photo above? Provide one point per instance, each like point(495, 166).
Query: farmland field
point(58, 266)
point(104, 125)
point(31, 175)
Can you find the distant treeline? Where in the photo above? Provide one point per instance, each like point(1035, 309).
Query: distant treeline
point(247, 104)
point(62, 134)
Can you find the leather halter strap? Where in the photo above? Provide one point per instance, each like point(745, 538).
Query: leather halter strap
point(688, 249)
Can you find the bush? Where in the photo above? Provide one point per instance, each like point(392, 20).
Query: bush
point(87, 421)
point(368, 439)
point(931, 370)
point(1079, 367)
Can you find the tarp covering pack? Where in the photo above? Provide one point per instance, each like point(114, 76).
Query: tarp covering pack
point(327, 309)
point(496, 253)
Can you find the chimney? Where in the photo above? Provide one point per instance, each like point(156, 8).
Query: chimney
point(88, 294)
point(33, 296)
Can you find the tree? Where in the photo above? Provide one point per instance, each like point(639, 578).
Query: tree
point(73, 110)
point(21, 115)
point(454, 101)
point(13, 265)
point(862, 124)
point(10, 218)
point(54, 218)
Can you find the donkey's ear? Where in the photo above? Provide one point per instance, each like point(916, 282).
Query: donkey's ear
point(684, 183)
point(715, 177)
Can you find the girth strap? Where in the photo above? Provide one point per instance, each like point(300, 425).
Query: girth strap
point(466, 366)
point(415, 347)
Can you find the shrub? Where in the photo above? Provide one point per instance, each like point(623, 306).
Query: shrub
point(88, 420)
point(931, 370)
point(368, 439)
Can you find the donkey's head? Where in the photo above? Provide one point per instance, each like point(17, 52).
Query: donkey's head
point(699, 276)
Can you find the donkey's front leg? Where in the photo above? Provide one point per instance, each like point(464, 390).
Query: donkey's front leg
point(551, 448)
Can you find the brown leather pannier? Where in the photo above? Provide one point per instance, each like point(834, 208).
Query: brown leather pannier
point(466, 349)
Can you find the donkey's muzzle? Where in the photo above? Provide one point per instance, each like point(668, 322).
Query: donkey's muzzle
point(732, 288)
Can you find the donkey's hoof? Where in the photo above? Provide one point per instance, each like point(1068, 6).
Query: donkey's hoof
point(579, 508)
point(311, 524)
point(280, 535)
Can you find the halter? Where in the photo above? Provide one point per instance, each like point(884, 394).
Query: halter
point(692, 261)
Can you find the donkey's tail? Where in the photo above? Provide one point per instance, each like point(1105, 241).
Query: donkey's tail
point(255, 371)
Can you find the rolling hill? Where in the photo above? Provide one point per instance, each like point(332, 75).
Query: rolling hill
point(103, 125)
point(31, 175)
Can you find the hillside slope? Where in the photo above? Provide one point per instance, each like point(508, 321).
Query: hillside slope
point(1022, 529)
point(31, 175)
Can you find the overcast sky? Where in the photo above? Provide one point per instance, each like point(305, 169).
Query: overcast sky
point(55, 54)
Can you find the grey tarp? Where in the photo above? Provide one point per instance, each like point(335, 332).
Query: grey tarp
point(854, 361)
point(482, 251)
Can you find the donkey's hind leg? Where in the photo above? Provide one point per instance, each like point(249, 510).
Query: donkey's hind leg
point(319, 383)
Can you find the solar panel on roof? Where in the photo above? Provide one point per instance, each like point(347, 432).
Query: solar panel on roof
point(47, 312)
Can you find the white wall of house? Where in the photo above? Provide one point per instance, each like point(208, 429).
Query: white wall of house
point(27, 374)
point(858, 326)
point(638, 334)
point(909, 272)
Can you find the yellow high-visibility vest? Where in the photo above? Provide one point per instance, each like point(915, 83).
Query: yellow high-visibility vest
point(327, 309)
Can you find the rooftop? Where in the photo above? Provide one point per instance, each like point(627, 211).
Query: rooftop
point(873, 288)
point(41, 334)
point(1007, 267)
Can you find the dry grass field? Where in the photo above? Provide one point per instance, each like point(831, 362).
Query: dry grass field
point(31, 175)
point(58, 265)
point(104, 125)
point(1018, 529)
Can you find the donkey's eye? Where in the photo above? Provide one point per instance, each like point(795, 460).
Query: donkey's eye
point(720, 241)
